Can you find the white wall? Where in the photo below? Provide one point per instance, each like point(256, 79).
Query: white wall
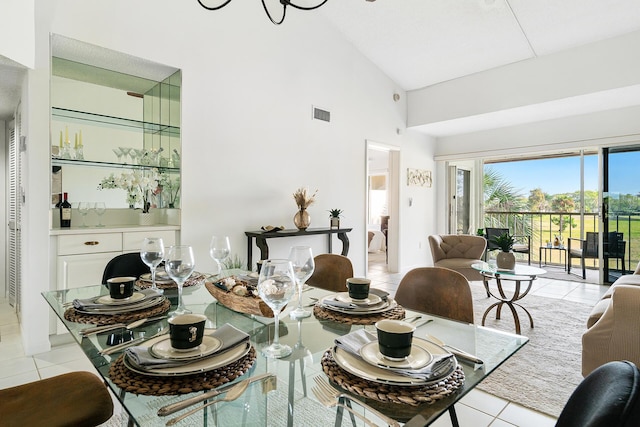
point(418, 221)
point(17, 31)
point(248, 138)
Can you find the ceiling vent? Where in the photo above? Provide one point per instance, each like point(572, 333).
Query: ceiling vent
point(320, 114)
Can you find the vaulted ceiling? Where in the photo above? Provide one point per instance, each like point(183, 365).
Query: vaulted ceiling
point(419, 43)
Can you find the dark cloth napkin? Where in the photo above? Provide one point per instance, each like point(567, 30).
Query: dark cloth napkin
point(92, 303)
point(229, 335)
point(384, 295)
point(354, 341)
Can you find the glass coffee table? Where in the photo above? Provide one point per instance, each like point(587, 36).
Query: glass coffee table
point(522, 277)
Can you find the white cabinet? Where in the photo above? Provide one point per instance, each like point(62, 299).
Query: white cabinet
point(81, 256)
point(132, 241)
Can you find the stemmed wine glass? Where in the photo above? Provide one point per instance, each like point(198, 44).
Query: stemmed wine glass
point(100, 209)
point(125, 152)
point(118, 153)
point(152, 253)
point(301, 259)
point(179, 264)
point(83, 209)
point(219, 249)
point(276, 286)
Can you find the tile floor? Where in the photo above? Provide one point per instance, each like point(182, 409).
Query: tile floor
point(477, 409)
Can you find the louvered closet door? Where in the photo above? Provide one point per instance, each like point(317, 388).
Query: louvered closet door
point(13, 235)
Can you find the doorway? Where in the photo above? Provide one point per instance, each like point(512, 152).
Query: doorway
point(382, 208)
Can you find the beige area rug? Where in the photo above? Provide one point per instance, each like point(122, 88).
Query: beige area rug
point(544, 373)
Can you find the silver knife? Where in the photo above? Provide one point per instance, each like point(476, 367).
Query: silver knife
point(175, 407)
point(133, 342)
point(463, 354)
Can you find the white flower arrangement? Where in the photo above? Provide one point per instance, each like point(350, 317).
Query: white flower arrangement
point(140, 187)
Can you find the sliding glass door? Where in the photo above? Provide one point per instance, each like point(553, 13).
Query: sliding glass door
point(620, 211)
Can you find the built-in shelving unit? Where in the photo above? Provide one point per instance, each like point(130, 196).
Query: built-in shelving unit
point(73, 116)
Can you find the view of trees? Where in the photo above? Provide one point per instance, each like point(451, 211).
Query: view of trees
point(501, 195)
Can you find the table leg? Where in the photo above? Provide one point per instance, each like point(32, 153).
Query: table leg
point(540, 258)
point(264, 249)
point(329, 244)
point(510, 302)
point(249, 253)
point(345, 243)
point(453, 416)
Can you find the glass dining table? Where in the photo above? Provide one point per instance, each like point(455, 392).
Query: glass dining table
point(289, 400)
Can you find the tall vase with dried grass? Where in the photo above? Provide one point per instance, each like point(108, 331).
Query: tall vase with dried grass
point(302, 220)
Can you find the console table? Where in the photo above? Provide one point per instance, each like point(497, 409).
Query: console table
point(262, 236)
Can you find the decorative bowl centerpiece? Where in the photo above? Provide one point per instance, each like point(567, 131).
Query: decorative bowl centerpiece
point(239, 295)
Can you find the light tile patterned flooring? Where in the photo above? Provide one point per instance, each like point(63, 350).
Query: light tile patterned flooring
point(477, 409)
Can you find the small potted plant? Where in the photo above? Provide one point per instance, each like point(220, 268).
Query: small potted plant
point(505, 260)
point(334, 216)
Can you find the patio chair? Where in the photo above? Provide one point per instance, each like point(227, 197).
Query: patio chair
point(439, 291)
point(522, 243)
point(331, 272)
point(585, 249)
point(588, 249)
point(125, 265)
point(615, 248)
point(608, 397)
point(78, 399)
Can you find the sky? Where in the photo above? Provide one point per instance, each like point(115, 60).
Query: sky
point(562, 175)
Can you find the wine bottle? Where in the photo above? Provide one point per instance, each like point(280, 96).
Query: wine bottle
point(65, 213)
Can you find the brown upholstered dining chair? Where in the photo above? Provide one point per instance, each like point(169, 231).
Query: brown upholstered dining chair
point(331, 272)
point(78, 399)
point(438, 291)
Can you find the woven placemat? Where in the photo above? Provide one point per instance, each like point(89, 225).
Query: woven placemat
point(194, 280)
point(406, 395)
point(356, 319)
point(74, 315)
point(133, 382)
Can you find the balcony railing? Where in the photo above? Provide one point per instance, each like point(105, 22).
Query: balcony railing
point(543, 227)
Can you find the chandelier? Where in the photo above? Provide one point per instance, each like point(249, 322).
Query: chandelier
point(284, 4)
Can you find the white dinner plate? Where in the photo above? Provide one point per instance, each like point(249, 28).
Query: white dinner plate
point(381, 307)
point(419, 357)
point(205, 364)
point(359, 367)
point(163, 279)
point(107, 300)
point(163, 350)
point(373, 299)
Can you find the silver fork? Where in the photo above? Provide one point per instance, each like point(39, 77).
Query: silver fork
point(336, 394)
point(331, 402)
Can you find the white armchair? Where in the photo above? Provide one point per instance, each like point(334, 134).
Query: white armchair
point(614, 336)
point(458, 252)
